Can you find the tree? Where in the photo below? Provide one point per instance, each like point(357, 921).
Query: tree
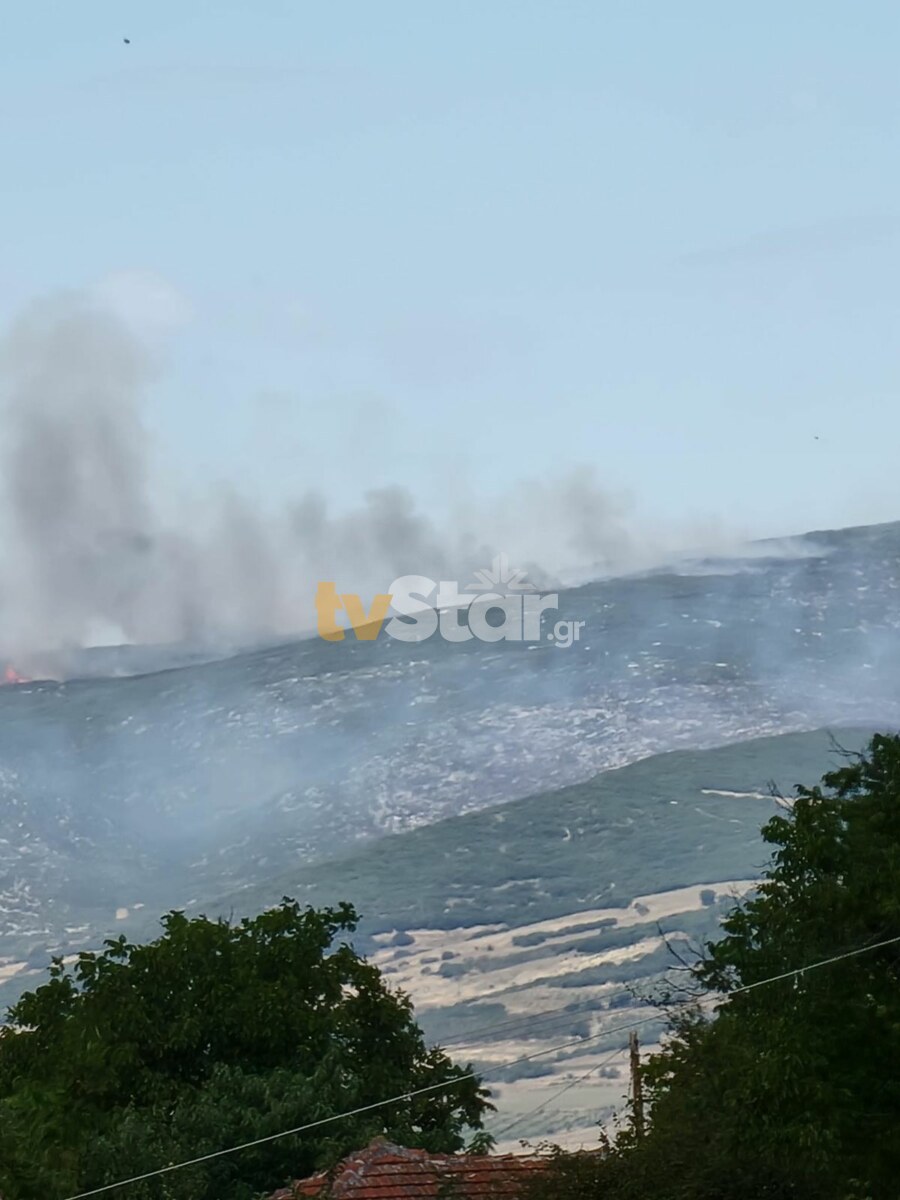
point(791, 1090)
point(213, 1035)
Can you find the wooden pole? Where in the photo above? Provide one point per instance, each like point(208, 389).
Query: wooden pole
point(637, 1089)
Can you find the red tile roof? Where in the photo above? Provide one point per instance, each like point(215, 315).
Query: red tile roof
point(386, 1172)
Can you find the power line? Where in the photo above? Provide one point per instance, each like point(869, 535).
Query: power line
point(504, 1130)
point(825, 962)
point(796, 972)
point(355, 1112)
point(510, 1026)
point(547, 1016)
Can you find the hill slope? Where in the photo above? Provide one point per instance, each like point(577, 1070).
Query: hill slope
point(539, 923)
point(160, 789)
point(542, 921)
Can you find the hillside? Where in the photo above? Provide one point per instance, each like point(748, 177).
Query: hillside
point(668, 821)
point(164, 788)
point(539, 921)
point(446, 787)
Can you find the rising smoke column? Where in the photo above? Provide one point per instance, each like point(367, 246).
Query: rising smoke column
point(86, 549)
point(79, 533)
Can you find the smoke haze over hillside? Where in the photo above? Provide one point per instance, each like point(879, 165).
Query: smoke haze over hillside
point(89, 555)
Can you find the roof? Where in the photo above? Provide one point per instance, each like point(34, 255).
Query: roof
point(384, 1171)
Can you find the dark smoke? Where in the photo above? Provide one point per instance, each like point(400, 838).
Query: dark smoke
point(89, 555)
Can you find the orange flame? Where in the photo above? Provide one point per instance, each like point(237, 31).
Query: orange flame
point(11, 675)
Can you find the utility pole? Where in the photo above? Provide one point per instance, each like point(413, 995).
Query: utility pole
point(637, 1089)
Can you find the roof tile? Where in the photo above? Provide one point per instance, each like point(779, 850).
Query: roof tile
point(384, 1171)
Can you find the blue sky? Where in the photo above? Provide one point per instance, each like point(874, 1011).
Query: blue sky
point(417, 243)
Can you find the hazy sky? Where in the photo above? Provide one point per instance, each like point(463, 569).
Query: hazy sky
point(412, 243)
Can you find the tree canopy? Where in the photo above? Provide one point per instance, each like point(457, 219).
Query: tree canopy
point(791, 1089)
point(215, 1034)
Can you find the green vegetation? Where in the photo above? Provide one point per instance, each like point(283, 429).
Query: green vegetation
point(551, 855)
point(641, 829)
point(792, 1090)
point(213, 1035)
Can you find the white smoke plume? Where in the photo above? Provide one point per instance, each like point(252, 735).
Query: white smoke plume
point(88, 554)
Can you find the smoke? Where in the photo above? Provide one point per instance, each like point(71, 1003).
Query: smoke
point(89, 555)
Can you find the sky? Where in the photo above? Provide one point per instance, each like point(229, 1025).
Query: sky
point(466, 245)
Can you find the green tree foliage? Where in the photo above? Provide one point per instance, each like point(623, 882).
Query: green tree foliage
point(213, 1035)
point(791, 1090)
